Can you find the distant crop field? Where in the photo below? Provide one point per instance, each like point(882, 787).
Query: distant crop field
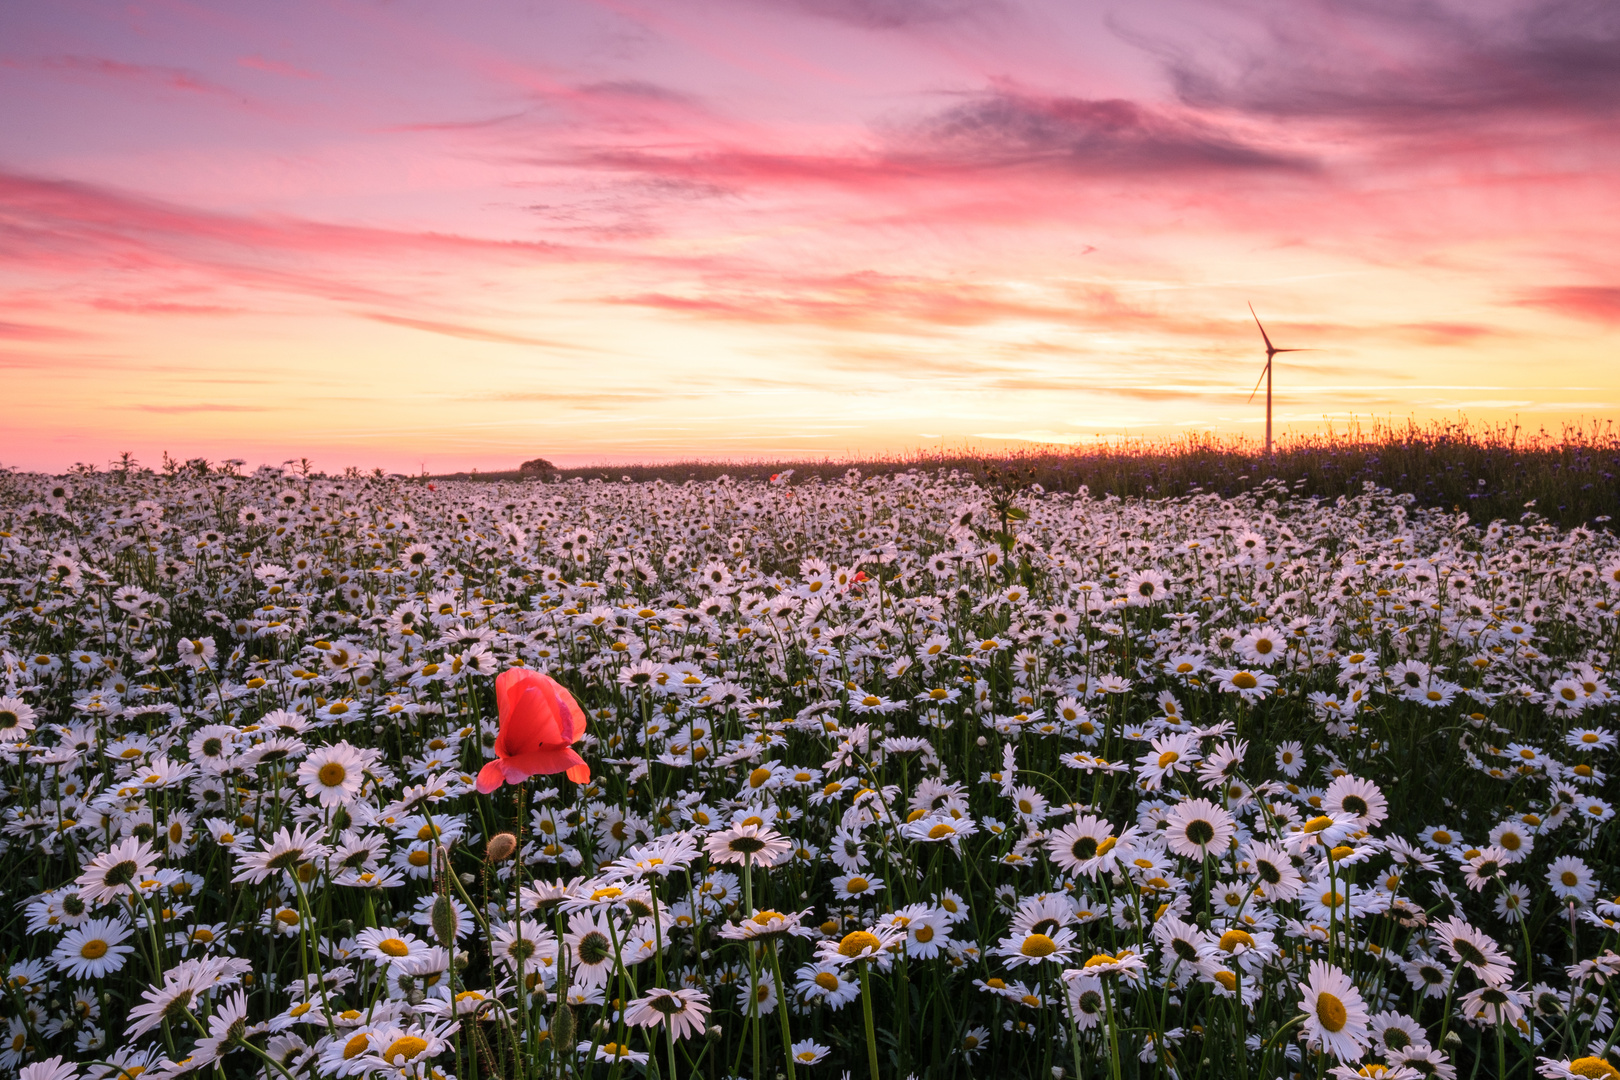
point(942, 772)
point(1487, 472)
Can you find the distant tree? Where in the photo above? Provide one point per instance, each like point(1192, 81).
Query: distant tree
point(538, 467)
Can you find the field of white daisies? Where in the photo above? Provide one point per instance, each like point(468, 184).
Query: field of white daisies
point(884, 777)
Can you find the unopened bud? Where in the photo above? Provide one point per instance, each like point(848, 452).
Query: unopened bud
point(562, 1025)
point(502, 846)
point(444, 920)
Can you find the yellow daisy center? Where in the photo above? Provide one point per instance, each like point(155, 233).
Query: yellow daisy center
point(1330, 1012)
point(406, 1046)
point(1037, 946)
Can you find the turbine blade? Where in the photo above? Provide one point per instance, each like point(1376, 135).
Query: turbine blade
point(1263, 373)
point(1263, 336)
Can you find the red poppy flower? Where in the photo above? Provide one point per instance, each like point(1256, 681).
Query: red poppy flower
point(539, 721)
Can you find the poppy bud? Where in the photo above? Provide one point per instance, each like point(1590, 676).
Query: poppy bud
point(562, 1025)
point(444, 920)
point(502, 846)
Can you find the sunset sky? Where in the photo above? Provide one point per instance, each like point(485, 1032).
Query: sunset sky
point(443, 236)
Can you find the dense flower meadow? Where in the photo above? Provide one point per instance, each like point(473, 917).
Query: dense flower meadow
point(883, 777)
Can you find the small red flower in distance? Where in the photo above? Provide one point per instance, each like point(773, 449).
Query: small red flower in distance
point(539, 721)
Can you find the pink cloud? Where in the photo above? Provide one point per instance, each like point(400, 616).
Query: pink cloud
point(75, 213)
point(887, 303)
point(162, 308)
point(275, 67)
point(168, 78)
point(11, 331)
point(201, 407)
point(468, 333)
point(1598, 303)
point(70, 229)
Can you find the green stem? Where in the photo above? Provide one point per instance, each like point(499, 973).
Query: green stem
point(871, 1033)
point(781, 1011)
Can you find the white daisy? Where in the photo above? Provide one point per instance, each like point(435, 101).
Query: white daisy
point(93, 949)
point(114, 872)
point(1336, 1018)
point(682, 1011)
point(333, 774)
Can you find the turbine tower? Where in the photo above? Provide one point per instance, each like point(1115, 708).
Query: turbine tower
point(1265, 376)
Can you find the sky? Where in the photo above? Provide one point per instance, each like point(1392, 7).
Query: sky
point(422, 235)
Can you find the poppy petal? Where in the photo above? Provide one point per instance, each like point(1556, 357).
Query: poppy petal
point(572, 712)
point(490, 777)
point(537, 719)
point(547, 759)
point(509, 685)
point(533, 722)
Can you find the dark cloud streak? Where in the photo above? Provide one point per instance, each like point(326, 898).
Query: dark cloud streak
point(1113, 136)
point(888, 14)
point(1413, 64)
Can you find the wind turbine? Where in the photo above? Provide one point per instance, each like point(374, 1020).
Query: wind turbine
point(1265, 376)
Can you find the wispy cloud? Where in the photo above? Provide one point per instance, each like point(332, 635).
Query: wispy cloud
point(275, 67)
point(27, 332)
point(472, 333)
point(932, 307)
point(200, 407)
point(978, 139)
point(42, 211)
point(82, 231)
point(159, 308)
point(151, 75)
